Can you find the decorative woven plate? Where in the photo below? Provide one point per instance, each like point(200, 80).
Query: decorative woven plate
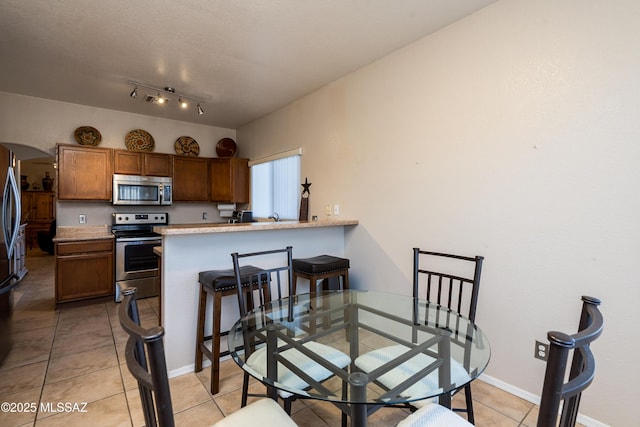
point(187, 146)
point(139, 140)
point(226, 147)
point(87, 135)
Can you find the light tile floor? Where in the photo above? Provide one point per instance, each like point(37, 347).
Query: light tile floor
point(74, 354)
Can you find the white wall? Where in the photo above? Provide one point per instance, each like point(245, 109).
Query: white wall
point(42, 123)
point(513, 134)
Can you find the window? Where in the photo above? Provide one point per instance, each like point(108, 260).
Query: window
point(275, 185)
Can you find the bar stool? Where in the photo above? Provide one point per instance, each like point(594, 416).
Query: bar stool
point(218, 284)
point(323, 267)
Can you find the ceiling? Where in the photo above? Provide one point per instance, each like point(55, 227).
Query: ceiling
point(240, 59)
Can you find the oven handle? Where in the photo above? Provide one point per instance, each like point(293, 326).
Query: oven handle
point(138, 239)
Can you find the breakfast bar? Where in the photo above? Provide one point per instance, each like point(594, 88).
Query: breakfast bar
point(188, 249)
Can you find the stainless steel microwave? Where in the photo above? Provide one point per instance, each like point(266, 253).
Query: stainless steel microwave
point(141, 190)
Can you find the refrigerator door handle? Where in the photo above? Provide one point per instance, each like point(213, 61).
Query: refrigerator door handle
point(10, 190)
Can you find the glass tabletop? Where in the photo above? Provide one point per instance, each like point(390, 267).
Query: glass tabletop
point(398, 349)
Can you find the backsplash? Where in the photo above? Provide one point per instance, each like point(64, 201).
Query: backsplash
point(100, 213)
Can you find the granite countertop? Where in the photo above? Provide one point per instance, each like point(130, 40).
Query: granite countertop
point(178, 229)
point(64, 234)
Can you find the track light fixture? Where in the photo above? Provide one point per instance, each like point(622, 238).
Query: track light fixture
point(163, 96)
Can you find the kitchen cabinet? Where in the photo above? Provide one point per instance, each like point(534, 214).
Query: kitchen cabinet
point(229, 179)
point(190, 179)
point(38, 210)
point(137, 163)
point(84, 173)
point(84, 269)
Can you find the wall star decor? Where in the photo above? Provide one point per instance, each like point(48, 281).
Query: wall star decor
point(304, 201)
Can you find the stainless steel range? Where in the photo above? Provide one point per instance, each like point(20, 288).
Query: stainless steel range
point(135, 263)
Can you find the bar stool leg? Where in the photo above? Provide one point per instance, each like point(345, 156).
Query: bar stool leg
point(215, 342)
point(202, 307)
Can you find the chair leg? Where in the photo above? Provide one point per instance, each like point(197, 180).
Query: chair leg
point(245, 390)
point(215, 343)
point(200, 332)
point(344, 397)
point(468, 398)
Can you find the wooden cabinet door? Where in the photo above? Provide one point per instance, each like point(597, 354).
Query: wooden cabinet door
point(26, 200)
point(84, 173)
point(82, 272)
point(156, 164)
point(127, 162)
point(44, 206)
point(136, 163)
point(229, 179)
point(190, 179)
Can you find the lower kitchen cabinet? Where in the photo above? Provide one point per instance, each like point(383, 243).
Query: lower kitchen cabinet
point(84, 269)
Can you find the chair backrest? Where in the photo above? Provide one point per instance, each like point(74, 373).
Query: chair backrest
point(449, 280)
point(146, 362)
point(581, 372)
point(268, 273)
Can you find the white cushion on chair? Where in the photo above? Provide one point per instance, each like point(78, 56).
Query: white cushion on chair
point(376, 358)
point(434, 415)
point(264, 411)
point(257, 362)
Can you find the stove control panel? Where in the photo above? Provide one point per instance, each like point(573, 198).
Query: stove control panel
point(140, 218)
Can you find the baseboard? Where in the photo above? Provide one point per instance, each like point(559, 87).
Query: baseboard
point(535, 399)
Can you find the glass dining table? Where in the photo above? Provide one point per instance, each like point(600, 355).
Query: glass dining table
point(402, 349)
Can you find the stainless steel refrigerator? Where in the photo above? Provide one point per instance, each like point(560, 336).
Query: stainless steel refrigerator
point(10, 218)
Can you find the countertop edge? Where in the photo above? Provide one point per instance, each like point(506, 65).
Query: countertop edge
point(72, 233)
point(180, 229)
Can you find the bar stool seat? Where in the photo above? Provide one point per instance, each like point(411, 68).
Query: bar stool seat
point(323, 267)
point(218, 284)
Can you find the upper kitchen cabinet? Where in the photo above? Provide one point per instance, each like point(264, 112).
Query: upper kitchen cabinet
point(137, 163)
point(229, 178)
point(84, 173)
point(190, 179)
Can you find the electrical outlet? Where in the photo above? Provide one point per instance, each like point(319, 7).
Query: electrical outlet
point(542, 351)
point(82, 218)
point(327, 209)
point(204, 215)
point(336, 209)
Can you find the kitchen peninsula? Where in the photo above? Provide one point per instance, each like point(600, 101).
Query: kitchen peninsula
point(191, 248)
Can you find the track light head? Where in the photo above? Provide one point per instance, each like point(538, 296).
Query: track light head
point(164, 95)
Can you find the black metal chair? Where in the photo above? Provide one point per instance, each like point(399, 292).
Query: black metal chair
point(555, 389)
point(451, 281)
point(581, 371)
point(146, 362)
point(281, 275)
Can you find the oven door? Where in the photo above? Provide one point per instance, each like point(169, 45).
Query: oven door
point(135, 258)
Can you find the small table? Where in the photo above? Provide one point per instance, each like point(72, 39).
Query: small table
point(358, 322)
